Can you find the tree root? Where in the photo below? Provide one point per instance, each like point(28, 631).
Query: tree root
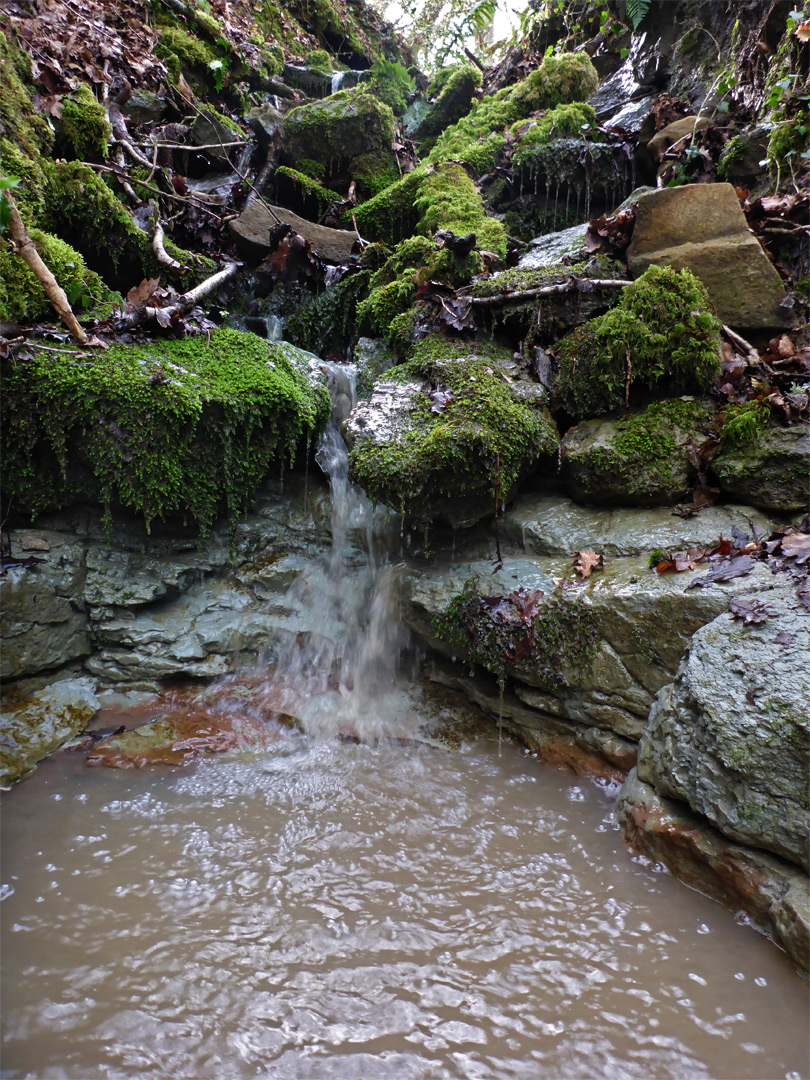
point(518, 296)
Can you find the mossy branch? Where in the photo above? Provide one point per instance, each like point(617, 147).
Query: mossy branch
point(24, 247)
point(519, 295)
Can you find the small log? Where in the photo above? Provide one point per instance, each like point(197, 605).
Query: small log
point(742, 344)
point(24, 247)
point(184, 303)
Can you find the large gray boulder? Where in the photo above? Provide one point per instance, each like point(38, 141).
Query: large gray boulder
point(731, 736)
point(702, 228)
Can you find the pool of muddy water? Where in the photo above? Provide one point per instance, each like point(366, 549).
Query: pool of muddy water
point(315, 908)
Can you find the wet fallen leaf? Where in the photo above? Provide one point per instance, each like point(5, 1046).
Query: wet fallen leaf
point(585, 562)
point(785, 639)
point(440, 398)
point(526, 603)
point(797, 546)
point(751, 611)
point(143, 293)
point(690, 560)
point(739, 566)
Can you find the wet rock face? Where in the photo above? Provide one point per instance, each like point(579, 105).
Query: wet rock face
point(772, 892)
point(251, 232)
point(44, 620)
point(602, 648)
point(701, 227)
point(731, 736)
point(34, 728)
point(773, 472)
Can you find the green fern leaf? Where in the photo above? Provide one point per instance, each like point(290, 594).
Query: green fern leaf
point(636, 10)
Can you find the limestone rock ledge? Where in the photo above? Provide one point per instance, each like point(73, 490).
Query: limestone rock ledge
point(772, 892)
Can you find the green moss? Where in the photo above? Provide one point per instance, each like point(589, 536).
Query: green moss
point(644, 453)
point(483, 437)
point(316, 170)
point(84, 127)
point(81, 208)
point(189, 426)
point(329, 320)
point(560, 79)
point(30, 195)
point(452, 103)
point(743, 423)
point(573, 120)
point(20, 123)
point(391, 83)
point(21, 295)
point(312, 197)
point(320, 60)
point(373, 174)
point(478, 139)
point(425, 200)
point(183, 52)
point(662, 331)
point(494, 632)
point(339, 129)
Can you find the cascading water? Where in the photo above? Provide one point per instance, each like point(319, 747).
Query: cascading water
point(342, 679)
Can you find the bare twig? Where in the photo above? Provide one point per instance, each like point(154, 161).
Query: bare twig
point(125, 184)
point(196, 200)
point(519, 295)
point(183, 303)
point(262, 178)
point(161, 254)
point(205, 146)
point(474, 59)
point(24, 247)
point(741, 343)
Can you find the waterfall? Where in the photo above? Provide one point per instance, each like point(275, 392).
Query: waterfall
point(336, 679)
point(337, 80)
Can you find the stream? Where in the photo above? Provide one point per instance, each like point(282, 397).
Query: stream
point(315, 907)
point(324, 909)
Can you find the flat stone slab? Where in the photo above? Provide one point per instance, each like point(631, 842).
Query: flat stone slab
point(554, 525)
point(251, 232)
point(702, 228)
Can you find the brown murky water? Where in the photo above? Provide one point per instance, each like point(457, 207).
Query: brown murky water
point(317, 909)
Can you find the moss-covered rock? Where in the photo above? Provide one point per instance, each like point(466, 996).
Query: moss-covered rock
point(639, 460)
point(334, 132)
point(184, 53)
point(446, 435)
point(22, 298)
point(428, 199)
point(661, 333)
point(82, 209)
point(478, 138)
point(84, 132)
point(573, 120)
point(24, 133)
point(453, 101)
point(770, 470)
point(302, 194)
point(189, 426)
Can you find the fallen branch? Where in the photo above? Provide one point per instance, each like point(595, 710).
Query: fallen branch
point(196, 200)
point(125, 184)
point(471, 56)
point(183, 303)
point(741, 343)
point(518, 296)
point(24, 247)
point(192, 146)
point(262, 177)
point(161, 254)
